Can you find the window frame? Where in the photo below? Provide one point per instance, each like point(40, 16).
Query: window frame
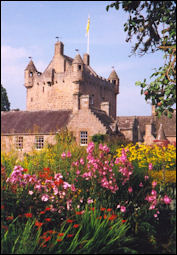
point(19, 142)
point(38, 143)
point(83, 138)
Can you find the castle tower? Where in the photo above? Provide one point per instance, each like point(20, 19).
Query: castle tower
point(113, 78)
point(30, 71)
point(77, 68)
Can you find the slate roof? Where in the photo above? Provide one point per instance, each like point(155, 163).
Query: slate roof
point(32, 122)
point(103, 117)
point(125, 122)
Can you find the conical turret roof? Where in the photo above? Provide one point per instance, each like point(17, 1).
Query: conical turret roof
point(77, 59)
point(113, 76)
point(161, 134)
point(31, 66)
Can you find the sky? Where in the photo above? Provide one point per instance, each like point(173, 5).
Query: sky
point(29, 29)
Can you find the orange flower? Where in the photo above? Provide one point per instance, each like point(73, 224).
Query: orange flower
point(100, 217)
point(59, 240)
point(79, 213)
point(76, 225)
point(113, 217)
point(102, 209)
point(105, 216)
point(9, 217)
point(28, 215)
point(109, 210)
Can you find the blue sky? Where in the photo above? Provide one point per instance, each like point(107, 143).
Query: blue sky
point(29, 28)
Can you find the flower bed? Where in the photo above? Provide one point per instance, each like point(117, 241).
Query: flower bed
point(95, 204)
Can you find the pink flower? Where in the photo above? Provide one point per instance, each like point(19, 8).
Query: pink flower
point(30, 192)
point(45, 197)
point(63, 155)
point(73, 187)
point(146, 177)
point(82, 161)
point(130, 189)
point(123, 208)
point(69, 154)
point(90, 147)
point(141, 184)
point(150, 166)
point(167, 200)
point(89, 200)
point(78, 172)
point(155, 215)
point(154, 183)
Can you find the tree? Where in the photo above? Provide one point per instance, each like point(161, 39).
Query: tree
point(5, 105)
point(153, 25)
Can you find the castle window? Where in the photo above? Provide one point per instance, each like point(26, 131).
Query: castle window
point(30, 74)
point(114, 81)
point(19, 142)
point(79, 67)
point(39, 142)
point(92, 99)
point(83, 138)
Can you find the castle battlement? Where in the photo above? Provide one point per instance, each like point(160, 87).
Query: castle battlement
point(65, 76)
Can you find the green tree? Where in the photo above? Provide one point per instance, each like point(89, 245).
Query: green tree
point(153, 26)
point(5, 105)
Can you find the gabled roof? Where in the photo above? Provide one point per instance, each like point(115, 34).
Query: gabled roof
point(32, 122)
point(77, 59)
point(125, 122)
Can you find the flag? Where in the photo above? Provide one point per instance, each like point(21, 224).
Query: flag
point(88, 25)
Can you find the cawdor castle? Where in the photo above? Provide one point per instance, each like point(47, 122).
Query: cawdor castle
point(69, 94)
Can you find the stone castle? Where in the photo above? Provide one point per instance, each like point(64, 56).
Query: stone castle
point(69, 94)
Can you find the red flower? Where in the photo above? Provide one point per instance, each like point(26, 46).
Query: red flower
point(38, 224)
point(61, 234)
point(59, 240)
point(102, 209)
point(123, 221)
point(109, 210)
point(47, 209)
point(105, 216)
point(47, 238)
point(76, 225)
point(69, 221)
point(113, 217)
point(28, 215)
point(92, 208)
point(48, 219)
point(42, 212)
point(70, 235)
point(2, 207)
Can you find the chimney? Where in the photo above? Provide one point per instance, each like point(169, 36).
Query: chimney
point(86, 59)
point(161, 134)
point(59, 48)
point(84, 101)
point(153, 110)
point(105, 107)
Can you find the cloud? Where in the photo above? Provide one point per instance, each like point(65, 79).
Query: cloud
point(14, 61)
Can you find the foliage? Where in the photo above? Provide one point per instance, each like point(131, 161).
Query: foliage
point(93, 202)
point(5, 105)
point(153, 24)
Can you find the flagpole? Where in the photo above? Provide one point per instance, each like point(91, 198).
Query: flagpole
point(88, 43)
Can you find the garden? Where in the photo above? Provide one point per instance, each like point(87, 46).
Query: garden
point(99, 199)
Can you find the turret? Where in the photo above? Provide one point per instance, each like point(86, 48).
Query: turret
point(77, 68)
point(30, 71)
point(113, 78)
